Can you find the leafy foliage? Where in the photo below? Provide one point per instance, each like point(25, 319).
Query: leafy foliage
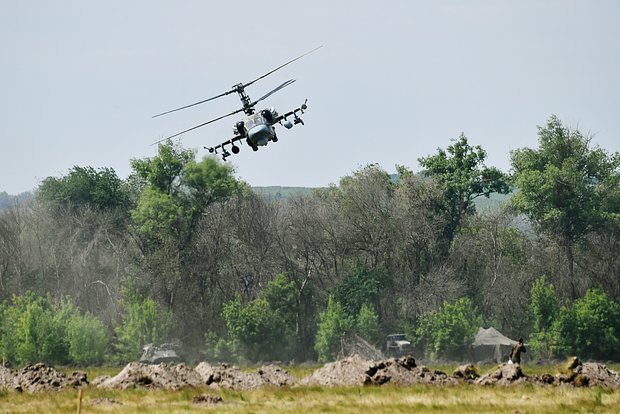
point(220, 349)
point(88, 340)
point(564, 187)
point(34, 329)
point(449, 332)
point(590, 328)
point(545, 308)
point(86, 186)
point(367, 324)
point(544, 305)
point(264, 328)
point(259, 332)
point(334, 325)
point(461, 171)
point(362, 286)
point(387, 249)
point(144, 321)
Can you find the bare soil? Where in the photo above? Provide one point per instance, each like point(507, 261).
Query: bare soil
point(350, 371)
point(40, 377)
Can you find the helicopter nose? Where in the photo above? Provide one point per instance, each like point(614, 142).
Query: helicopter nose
point(260, 134)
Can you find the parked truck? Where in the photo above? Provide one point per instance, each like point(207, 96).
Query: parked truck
point(397, 345)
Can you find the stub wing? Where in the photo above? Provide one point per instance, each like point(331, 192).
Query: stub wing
point(294, 113)
point(280, 119)
point(222, 147)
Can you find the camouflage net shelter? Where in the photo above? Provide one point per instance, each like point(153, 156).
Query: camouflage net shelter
point(491, 345)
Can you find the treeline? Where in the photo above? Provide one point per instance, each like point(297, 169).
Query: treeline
point(93, 267)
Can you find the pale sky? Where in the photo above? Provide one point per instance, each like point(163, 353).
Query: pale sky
point(395, 80)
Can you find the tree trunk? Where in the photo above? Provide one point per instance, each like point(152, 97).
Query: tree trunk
point(571, 274)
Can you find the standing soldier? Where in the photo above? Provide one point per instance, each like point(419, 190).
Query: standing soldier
point(515, 354)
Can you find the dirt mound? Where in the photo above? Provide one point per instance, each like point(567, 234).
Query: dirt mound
point(40, 377)
point(351, 371)
point(466, 372)
point(7, 378)
point(347, 371)
point(404, 371)
point(230, 377)
point(137, 375)
point(207, 399)
point(355, 370)
point(588, 374)
point(598, 375)
point(275, 376)
point(505, 374)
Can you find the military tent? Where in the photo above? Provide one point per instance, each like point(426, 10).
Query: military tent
point(490, 345)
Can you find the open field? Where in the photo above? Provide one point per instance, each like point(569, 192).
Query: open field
point(418, 399)
point(521, 398)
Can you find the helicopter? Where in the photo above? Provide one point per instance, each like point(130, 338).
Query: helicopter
point(257, 128)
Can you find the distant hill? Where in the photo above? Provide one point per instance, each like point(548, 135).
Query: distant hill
point(277, 192)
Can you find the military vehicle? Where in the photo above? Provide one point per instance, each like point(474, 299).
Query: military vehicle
point(157, 354)
point(397, 345)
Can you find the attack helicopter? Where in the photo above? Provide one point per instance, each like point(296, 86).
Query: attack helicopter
point(257, 128)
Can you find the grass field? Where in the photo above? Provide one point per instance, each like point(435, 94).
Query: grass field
point(386, 399)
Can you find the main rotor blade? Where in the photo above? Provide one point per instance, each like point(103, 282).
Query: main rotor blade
point(194, 104)
point(235, 90)
point(285, 84)
point(281, 66)
point(198, 126)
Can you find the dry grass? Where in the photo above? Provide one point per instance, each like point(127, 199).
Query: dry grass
point(418, 399)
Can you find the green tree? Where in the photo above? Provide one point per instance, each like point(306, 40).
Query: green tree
point(544, 307)
point(265, 328)
point(30, 332)
point(448, 332)
point(461, 172)
point(590, 328)
point(281, 295)
point(86, 186)
point(334, 325)
point(565, 187)
point(175, 193)
point(362, 286)
point(260, 332)
point(367, 323)
point(144, 321)
point(88, 340)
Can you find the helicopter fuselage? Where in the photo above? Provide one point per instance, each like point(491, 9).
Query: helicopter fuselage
point(257, 128)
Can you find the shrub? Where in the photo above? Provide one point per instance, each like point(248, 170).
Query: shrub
point(143, 322)
point(29, 331)
point(449, 332)
point(88, 340)
point(261, 333)
point(219, 349)
point(588, 329)
point(264, 329)
point(544, 308)
point(334, 325)
point(367, 323)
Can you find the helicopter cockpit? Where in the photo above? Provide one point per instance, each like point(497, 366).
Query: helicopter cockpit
point(254, 120)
